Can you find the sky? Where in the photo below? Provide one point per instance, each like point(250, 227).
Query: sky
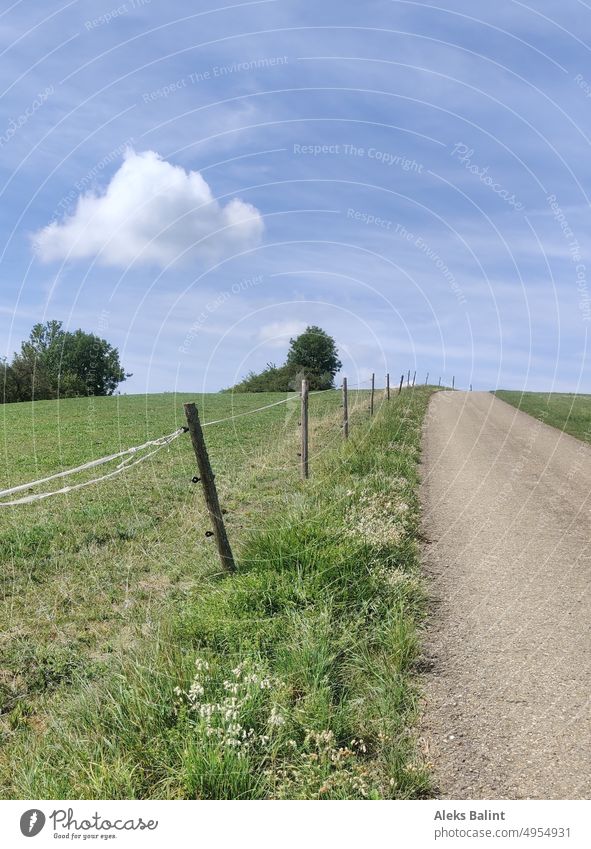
point(198, 182)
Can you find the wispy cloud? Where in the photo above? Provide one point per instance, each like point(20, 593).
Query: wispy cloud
point(278, 333)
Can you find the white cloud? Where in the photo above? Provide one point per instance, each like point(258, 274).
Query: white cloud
point(150, 213)
point(277, 333)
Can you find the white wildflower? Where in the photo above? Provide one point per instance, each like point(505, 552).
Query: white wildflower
point(276, 717)
point(196, 691)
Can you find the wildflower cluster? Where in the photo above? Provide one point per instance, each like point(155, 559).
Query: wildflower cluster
point(222, 712)
point(379, 519)
point(244, 715)
point(324, 770)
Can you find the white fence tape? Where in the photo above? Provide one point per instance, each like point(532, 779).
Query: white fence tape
point(128, 462)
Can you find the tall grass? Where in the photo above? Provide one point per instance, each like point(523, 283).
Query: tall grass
point(292, 679)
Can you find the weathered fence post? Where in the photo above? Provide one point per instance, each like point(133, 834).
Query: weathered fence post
point(414, 377)
point(408, 379)
point(373, 387)
point(304, 414)
point(439, 384)
point(453, 382)
point(345, 410)
point(401, 382)
point(388, 386)
point(427, 379)
point(209, 488)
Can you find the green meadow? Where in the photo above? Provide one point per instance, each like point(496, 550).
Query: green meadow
point(130, 667)
point(568, 412)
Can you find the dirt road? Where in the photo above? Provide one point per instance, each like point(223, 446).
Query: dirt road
point(507, 518)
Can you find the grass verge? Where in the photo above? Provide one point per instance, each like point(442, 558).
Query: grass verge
point(292, 679)
point(567, 412)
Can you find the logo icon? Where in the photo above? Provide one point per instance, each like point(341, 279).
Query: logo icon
point(32, 822)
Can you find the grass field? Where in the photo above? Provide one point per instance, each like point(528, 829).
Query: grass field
point(570, 413)
point(131, 669)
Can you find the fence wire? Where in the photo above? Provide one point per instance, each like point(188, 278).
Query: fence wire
point(128, 456)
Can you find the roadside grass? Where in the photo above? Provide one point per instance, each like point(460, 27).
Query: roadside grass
point(293, 678)
point(568, 412)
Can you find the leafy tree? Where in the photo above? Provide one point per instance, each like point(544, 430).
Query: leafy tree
point(88, 365)
point(8, 386)
point(313, 354)
point(56, 363)
point(26, 379)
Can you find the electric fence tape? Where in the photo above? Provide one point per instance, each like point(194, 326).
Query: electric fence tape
point(127, 463)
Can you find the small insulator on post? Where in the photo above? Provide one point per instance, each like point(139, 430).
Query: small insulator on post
point(208, 533)
point(195, 479)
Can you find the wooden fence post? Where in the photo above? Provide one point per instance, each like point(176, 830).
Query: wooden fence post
point(427, 379)
point(453, 382)
point(401, 382)
point(439, 384)
point(345, 410)
point(304, 414)
point(209, 487)
point(373, 386)
point(388, 386)
point(414, 377)
point(408, 379)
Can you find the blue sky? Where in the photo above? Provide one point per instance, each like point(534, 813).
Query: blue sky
point(198, 183)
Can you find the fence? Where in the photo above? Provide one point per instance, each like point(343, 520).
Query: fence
point(195, 429)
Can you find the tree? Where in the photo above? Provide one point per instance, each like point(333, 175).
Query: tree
point(9, 388)
point(314, 353)
point(31, 370)
point(26, 379)
point(88, 365)
point(56, 363)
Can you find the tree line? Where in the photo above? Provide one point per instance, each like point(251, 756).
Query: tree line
point(57, 363)
point(313, 355)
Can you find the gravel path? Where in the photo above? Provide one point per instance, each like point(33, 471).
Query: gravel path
point(506, 515)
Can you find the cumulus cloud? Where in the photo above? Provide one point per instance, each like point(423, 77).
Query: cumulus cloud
point(151, 212)
point(277, 333)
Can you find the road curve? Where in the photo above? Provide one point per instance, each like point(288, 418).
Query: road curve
point(507, 521)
